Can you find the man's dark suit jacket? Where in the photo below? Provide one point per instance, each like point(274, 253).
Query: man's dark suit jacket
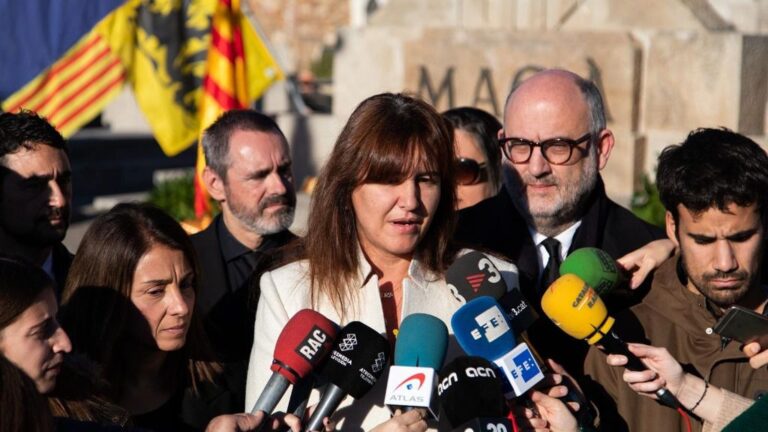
point(228, 316)
point(62, 260)
point(495, 225)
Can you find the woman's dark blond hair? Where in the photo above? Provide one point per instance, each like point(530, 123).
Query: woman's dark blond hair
point(96, 300)
point(387, 138)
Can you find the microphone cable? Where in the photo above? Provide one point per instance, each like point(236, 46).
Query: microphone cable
point(686, 418)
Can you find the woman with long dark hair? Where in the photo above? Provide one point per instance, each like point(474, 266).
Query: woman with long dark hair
point(378, 243)
point(129, 306)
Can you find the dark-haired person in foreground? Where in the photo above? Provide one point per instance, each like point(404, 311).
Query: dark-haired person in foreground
point(713, 187)
point(35, 193)
point(379, 245)
point(249, 174)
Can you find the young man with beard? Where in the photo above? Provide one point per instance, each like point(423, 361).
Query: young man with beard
point(554, 143)
point(713, 187)
point(35, 193)
point(249, 175)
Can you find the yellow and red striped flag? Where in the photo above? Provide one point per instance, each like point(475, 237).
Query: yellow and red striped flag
point(64, 68)
point(238, 70)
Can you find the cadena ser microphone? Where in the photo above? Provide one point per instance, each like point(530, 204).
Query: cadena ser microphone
point(474, 275)
point(598, 269)
point(356, 362)
point(577, 309)
point(419, 351)
point(471, 395)
point(304, 342)
point(482, 329)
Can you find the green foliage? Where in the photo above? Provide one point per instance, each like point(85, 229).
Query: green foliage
point(323, 67)
point(176, 196)
point(646, 204)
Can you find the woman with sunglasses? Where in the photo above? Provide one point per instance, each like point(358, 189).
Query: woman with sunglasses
point(478, 166)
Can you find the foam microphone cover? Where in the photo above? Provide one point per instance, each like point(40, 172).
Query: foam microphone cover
point(576, 308)
point(469, 388)
point(421, 341)
point(598, 269)
point(304, 342)
point(482, 329)
point(474, 275)
point(357, 360)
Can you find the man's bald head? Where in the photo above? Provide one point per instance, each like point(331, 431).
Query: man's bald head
point(571, 89)
point(554, 105)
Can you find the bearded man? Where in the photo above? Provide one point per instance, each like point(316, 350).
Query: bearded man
point(249, 174)
point(554, 143)
point(35, 193)
point(713, 187)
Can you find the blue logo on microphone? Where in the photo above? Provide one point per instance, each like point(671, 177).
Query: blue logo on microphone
point(525, 366)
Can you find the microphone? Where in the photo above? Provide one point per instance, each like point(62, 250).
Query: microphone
point(520, 313)
point(473, 275)
point(471, 395)
point(483, 329)
point(354, 365)
point(305, 341)
point(598, 269)
point(419, 351)
point(577, 309)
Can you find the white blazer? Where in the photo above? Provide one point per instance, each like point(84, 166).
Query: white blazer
point(286, 290)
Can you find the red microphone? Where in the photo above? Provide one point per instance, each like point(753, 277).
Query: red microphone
point(304, 342)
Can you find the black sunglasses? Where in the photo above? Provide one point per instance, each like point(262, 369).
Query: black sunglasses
point(469, 172)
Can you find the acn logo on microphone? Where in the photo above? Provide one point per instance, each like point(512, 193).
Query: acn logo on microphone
point(492, 323)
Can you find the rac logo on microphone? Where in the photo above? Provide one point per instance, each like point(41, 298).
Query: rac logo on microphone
point(314, 346)
point(492, 323)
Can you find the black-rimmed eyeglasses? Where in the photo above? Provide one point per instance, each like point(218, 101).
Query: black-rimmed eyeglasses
point(557, 151)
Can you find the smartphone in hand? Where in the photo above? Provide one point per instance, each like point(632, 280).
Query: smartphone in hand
point(742, 324)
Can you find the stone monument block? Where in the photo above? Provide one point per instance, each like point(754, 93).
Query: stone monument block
point(695, 80)
point(451, 68)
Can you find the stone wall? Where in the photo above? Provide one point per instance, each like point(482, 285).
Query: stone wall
point(665, 67)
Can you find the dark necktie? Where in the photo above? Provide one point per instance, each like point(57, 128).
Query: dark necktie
point(552, 270)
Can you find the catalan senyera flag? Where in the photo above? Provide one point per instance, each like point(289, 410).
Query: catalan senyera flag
point(239, 68)
point(66, 59)
point(52, 60)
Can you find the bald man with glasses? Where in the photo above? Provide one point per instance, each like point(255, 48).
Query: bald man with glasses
point(554, 143)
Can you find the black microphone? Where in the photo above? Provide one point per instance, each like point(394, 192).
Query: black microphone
point(473, 275)
point(356, 362)
point(471, 395)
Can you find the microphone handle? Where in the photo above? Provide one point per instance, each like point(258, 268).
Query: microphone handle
point(328, 404)
point(271, 395)
point(613, 344)
point(584, 414)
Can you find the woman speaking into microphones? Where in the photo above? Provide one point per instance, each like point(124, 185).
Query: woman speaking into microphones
point(378, 243)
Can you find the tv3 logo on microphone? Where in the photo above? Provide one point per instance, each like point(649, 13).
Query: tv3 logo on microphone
point(492, 324)
point(315, 345)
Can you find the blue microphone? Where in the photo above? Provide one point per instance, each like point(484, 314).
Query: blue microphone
point(419, 351)
point(482, 329)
